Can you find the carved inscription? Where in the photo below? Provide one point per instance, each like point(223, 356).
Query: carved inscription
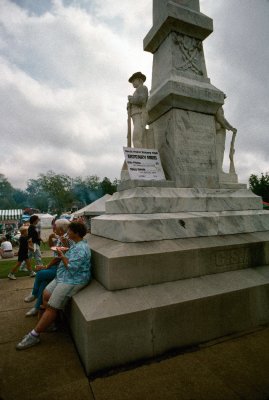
point(195, 143)
point(197, 92)
point(239, 256)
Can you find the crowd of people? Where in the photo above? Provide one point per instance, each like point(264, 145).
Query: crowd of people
point(68, 272)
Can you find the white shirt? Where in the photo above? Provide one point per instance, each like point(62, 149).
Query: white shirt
point(6, 246)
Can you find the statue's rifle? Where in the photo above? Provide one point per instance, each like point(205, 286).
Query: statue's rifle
point(231, 155)
point(129, 128)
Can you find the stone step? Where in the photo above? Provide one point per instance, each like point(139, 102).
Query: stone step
point(151, 200)
point(163, 226)
point(111, 329)
point(127, 265)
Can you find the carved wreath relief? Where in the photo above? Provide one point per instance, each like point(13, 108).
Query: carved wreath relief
point(189, 53)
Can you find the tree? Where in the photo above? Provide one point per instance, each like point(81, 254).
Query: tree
point(21, 198)
point(38, 198)
point(6, 192)
point(260, 185)
point(108, 187)
point(58, 187)
point(87, 190)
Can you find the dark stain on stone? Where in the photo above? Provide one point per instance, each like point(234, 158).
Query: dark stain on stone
point(182, 223)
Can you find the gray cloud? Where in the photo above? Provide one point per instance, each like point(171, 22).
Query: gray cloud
point(238, 60)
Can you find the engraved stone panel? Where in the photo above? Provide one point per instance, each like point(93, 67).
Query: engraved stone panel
point(186, 142)
point(188, 54)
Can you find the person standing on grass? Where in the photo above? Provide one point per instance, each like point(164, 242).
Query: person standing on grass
point(33, 235)
point(46, 273)
point(73, 273)
point(22, 254)
point(6, 250)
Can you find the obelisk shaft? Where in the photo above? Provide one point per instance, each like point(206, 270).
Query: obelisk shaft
point(183, 102)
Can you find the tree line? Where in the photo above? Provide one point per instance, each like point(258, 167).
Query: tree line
point(55, 193)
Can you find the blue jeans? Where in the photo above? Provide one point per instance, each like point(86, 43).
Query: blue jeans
point(42, 279)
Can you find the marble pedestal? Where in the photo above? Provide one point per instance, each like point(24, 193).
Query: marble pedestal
point(150, 298)
point(112, 329)
point(159, 213)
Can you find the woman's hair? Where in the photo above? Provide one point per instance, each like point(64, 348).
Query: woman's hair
point(63, 224)
point(23, 228)
point(33, 218)
point(79, 228)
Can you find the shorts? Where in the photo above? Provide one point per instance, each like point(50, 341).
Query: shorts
point(23, 257)
point(61, 293)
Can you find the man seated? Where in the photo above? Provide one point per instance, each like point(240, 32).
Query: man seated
point(6, 250)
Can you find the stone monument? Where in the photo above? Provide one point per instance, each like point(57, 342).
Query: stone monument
point(183, 260)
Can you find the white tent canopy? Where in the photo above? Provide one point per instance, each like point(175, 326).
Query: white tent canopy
point(96, 208)
point(45, 220)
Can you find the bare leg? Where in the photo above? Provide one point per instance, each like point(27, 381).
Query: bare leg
point(15, 269)
point(28, 265)
point(46, 320)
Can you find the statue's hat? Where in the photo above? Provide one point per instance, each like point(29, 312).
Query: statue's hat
point(137, 75)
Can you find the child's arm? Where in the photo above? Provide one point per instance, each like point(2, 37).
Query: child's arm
point(30, 244)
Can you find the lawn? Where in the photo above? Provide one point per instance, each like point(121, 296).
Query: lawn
point(6, 265)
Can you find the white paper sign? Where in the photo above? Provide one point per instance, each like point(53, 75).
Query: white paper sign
point(144, 164)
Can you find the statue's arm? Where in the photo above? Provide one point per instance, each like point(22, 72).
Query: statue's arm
point(223, 121)
point(229, 126)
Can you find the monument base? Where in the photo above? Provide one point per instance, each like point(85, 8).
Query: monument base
point(125, 265)
point(150, 227)
point(111, 329)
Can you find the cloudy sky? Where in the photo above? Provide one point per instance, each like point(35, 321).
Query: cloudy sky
point(64, 69)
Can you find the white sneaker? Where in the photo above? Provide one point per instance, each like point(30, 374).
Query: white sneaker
point(28, 341)
point(23, 268)
point(32, 312)
point(11, 276)
point(29, 298)
point(32, 274)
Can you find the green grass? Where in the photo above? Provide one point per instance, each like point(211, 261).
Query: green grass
point(6, 265)
point(44, 246)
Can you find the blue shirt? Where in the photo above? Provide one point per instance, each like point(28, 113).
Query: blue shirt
point(78, 271)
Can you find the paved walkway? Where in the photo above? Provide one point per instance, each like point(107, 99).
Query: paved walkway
point(235, 369)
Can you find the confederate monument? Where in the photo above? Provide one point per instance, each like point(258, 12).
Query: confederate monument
point(184, 260)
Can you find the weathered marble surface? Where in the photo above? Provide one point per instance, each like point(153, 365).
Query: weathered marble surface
point(148, 321)
point(179, 76)
point(171, 16)
point(187, 147)
point(130, 184)
point(150, 200)
point(182, 93)
point(126, 265)
point(148, 227)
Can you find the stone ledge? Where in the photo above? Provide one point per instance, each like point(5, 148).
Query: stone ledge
point(126, 265)
point(151, 227)
point(160, 199)
point(114, 328)
point(131, 184)
point(178, 19)
point(185, 94)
